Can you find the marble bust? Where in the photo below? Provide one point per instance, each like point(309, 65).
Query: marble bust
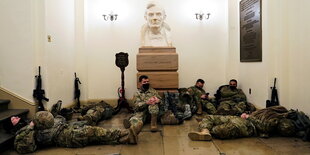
point(155, 33)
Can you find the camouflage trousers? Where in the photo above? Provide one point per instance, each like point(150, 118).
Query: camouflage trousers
point(231, 108)
point(97, 113)
point(82, 136)
point(141, 116)
point(227, 127)
point(208, 107)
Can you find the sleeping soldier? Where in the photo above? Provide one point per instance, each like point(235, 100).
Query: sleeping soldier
point(263, 123)
point(46, 130)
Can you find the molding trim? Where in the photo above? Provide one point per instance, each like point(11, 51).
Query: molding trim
point(16, 96)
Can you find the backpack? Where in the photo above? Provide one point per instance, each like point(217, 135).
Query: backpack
point(301, 122)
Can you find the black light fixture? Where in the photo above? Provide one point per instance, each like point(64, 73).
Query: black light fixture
point(201, 16)
point(110, 17)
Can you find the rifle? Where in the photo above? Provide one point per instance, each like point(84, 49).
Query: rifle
point(274, 96)
point(77, 91)
point(39, 93)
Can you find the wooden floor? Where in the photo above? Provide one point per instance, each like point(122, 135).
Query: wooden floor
point(173, 140)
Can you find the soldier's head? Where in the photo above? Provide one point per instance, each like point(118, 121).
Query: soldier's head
point(200, 83)
point(43, 120)
point(233, 84)
point(286, 127)
point(144, 82)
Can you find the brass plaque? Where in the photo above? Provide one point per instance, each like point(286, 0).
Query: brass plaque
point(250, 31)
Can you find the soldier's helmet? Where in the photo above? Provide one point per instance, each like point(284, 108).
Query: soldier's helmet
point(286, 127)
point(43, 120)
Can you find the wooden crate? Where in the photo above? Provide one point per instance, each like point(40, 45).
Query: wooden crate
point(161, 80)
point(157, 62)
point(146, 49)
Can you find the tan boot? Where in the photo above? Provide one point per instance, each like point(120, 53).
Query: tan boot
point(137, 127)
point(204, 134)
point(154, 122)
point(128, 136)
point(199, 111)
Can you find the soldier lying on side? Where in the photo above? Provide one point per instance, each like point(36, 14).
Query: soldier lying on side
point(46, 130)
point(263, 123)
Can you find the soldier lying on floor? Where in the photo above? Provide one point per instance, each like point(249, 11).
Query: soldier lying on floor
point(263, 123)
point(92, 113)
point(45, 130)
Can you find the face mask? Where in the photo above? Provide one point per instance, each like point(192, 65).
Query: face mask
point(146, 86)
point(232, 87)
point(199, 87)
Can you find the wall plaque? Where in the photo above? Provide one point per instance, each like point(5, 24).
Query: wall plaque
point(250, 31)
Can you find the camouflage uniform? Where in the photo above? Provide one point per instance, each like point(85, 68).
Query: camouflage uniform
point(75, 134)
point(207, 105)
point(94, 112)
point(263, 122)
point(142, 109)
point(231, 102)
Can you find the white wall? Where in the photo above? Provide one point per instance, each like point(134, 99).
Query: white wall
point(285, 53)
point(83, 42)
point(60, 54)
point(17, 47)
point(201, 45)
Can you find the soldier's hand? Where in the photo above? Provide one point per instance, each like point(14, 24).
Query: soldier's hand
point(151, 101)
point(203, 96)
point(31, 124)
point(156, 99)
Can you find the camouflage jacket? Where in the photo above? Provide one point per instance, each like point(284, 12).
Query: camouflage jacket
point(196, 93)
point(266, 120)
point(28, 138)
point(141, 97)
point(236, 95)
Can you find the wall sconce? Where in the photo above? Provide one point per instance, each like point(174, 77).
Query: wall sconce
point(200, 16)
point(110, 16)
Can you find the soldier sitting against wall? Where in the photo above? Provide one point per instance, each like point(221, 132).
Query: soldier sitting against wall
point(146, 104)
point(231, 100)
point(263, 123)
point(201, 98)
point(45, 130)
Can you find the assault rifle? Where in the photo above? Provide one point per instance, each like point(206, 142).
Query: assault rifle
point(274, 96)
point(39, 93)
point(77, 92)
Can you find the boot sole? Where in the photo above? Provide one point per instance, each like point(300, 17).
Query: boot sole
point(198, 137)
point(134, 138)
point(126, 123)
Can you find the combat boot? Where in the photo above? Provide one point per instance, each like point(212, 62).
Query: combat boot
point(154, 122)
point(187, 112)
point(169, 119)
point(204, 134)
point(128, 136)
point(136, 128)
point(56, 108)
point(199, 111)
